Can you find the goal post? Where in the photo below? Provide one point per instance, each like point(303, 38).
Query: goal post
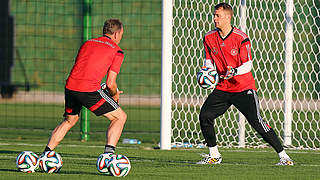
point(166, 75)
point(242, 119)
point(285, 66)
point(287, 125)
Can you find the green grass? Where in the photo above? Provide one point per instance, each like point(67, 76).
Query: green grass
point(148, 163)
point(142, 123)
point(304, 126)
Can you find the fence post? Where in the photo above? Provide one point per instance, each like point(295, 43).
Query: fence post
point(85, 114)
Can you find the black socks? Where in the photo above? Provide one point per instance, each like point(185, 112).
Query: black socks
point(47, 149)
point(109, 149)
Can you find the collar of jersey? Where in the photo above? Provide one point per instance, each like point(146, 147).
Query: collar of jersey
point(227, 35)
point(106, 36)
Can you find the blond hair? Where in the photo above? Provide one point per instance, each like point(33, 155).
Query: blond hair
point(225, 7)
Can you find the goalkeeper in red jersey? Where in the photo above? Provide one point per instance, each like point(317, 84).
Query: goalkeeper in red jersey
point(96, 59)
point(228, 50)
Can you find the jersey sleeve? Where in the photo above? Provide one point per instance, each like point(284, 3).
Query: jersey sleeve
point(207, 49)
point(117, 61)
point(245, 50)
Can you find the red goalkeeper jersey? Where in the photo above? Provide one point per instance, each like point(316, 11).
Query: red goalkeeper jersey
point(95, 59)
point(232, 50)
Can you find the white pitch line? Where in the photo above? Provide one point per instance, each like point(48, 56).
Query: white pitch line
point(133, 147)
point(148, 160)
point(290, 151)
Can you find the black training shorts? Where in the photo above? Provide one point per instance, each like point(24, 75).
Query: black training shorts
point(99, 102)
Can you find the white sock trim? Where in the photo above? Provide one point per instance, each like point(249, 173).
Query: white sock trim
point(283, 154)
point(213, 151)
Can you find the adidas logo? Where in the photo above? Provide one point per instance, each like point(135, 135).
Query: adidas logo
point(249, 92)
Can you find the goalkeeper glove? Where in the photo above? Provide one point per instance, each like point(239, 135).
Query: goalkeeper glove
point(230, 73)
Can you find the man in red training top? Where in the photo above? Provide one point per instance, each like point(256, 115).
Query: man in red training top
point(228, 50)
point(96, 58)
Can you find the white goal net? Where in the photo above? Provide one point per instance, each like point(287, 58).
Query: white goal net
point(285, 47)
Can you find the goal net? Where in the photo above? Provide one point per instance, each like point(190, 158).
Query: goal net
point(285, 47)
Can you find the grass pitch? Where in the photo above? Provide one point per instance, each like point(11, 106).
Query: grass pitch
point(22, 130)
point(79, 160)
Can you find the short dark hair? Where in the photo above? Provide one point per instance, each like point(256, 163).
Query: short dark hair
point(224, 6)
point(111, 26)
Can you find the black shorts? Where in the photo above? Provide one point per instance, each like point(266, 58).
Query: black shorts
point(246, 102)
point(99, 102)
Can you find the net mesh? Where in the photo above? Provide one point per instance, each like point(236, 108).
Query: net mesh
point(265, 25)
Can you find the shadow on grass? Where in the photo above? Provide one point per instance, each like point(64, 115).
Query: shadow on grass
point(10, 152)
point(61, 172)
point(143, 159)
point(79, 172)
point(9, 170)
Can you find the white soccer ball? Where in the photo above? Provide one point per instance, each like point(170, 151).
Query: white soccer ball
point(50, 162)
point(119, 165)
point(103, 162)
point(208, 78)
point(27, 161)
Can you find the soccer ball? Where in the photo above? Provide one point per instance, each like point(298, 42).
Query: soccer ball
point(50, 162)
point(119, 165)
point(207, 78)
point(27, 161)
point(103, 162)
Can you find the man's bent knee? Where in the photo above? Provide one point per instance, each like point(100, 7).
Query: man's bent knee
point(72, 119)
point(117, 114)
